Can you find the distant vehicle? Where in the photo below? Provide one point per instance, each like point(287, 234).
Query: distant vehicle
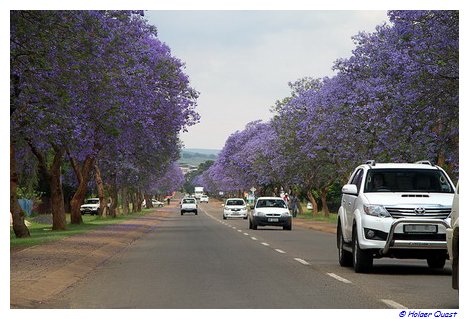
point(397, 210)
point(452, 237)
point(270, 211)
point(188, 205)
point(91, 206)
point(154, 202)
point(235, 207)
point(309, 206)
point(204, 199)
point(198, 192)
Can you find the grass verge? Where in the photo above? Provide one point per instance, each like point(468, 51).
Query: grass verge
point(42, 233)
point(307, 214)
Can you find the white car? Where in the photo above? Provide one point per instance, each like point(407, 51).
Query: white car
point(452, 237)
point(188, 205)
point(235, 207)
point(204, 199)
point(394, 210)
point(270, 211)
point(91, 206)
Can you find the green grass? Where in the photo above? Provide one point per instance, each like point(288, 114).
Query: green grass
point(307, 214)
point(42, 233)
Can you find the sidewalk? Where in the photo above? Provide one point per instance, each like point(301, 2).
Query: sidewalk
point(315, 225)
point(40, 272)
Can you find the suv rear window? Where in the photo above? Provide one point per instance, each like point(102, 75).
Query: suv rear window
point(407, 180)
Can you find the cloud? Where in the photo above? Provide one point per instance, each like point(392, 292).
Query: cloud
point(242, 61)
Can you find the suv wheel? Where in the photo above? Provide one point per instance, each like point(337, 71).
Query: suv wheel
point(362, 260)
point(436, 262)
point(224, 217)
point(288, 227)
point(345, 257)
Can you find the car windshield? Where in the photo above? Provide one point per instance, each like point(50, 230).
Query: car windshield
point(407, 180)
point(271, 203)
point(188, 201)
point(92, 201)
point(235, 202)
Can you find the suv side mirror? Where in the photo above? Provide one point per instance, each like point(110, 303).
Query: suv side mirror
point(350, 189)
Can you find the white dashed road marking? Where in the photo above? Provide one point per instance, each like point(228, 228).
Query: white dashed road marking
point(246, 234)
point(253, 238)
point(393, 304)
point(265, 244)
point(280, 251)
point(304, 262)
point(339, 278)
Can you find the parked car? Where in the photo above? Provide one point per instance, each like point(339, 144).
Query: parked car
point(270, 211)
point(154, 202)
point(188, 205)
point(396, 210)
point(91, 206)
point(452, 238)
point(204, 199)
point(235, 207)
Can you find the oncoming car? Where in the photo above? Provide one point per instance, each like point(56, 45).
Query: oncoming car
point(270, 211)
point(204, 199)
point(235, 207)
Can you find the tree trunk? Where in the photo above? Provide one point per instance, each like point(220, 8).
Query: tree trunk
point(53, 176)
point(56, 192)
point(125, 201)
point(19, 227)
point(113, 194)
point(313, 202)
point(100, 188)
point(139, 198)
point(148, 202)
point(325, 208)
point(83, 174)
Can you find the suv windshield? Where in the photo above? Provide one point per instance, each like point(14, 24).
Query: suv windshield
point(188, 201)
point(92, 201)
point(235, 202)
point(407, 180)
point(271, 203)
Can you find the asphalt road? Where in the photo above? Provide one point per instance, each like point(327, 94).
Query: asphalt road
point(205, 262)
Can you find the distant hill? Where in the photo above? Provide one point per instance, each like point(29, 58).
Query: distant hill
point(196, 156)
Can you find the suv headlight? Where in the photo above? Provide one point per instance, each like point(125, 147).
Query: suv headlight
point(286, 214)
point(376, 210)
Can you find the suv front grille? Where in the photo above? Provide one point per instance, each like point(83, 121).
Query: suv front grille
point(430, 212)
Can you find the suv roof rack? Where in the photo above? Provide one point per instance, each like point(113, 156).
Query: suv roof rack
point(426, 162)
point(371, 162)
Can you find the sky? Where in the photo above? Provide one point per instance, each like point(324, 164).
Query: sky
point(241, 61)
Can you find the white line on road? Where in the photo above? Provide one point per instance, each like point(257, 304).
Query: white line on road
point(304, 262)
point(239, 230)
point(246, 234)
point(339, 278)
point(233, 227)
point(280, 251)
point(265, 244)
point(393, 304)
point(253, 238)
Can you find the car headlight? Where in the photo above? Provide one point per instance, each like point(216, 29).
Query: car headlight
point(261, 214)
point(286, 214)
point(376, 210)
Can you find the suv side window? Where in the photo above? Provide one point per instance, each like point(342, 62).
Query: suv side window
point(357, 179)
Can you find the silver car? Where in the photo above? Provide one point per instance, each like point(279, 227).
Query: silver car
point(235, 207)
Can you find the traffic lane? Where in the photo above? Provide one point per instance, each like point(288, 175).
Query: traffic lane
point(197, 262)
point(410, 283)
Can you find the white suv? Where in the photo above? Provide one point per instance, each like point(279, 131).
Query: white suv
point(452, 236)
point(91, 206)
point(394, 210)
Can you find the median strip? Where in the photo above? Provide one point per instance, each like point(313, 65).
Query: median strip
point(337, 277)
point(393, 304)
point(301, 261)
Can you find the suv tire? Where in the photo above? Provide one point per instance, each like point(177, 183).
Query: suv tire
point(345, 257)
point(362, 260)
